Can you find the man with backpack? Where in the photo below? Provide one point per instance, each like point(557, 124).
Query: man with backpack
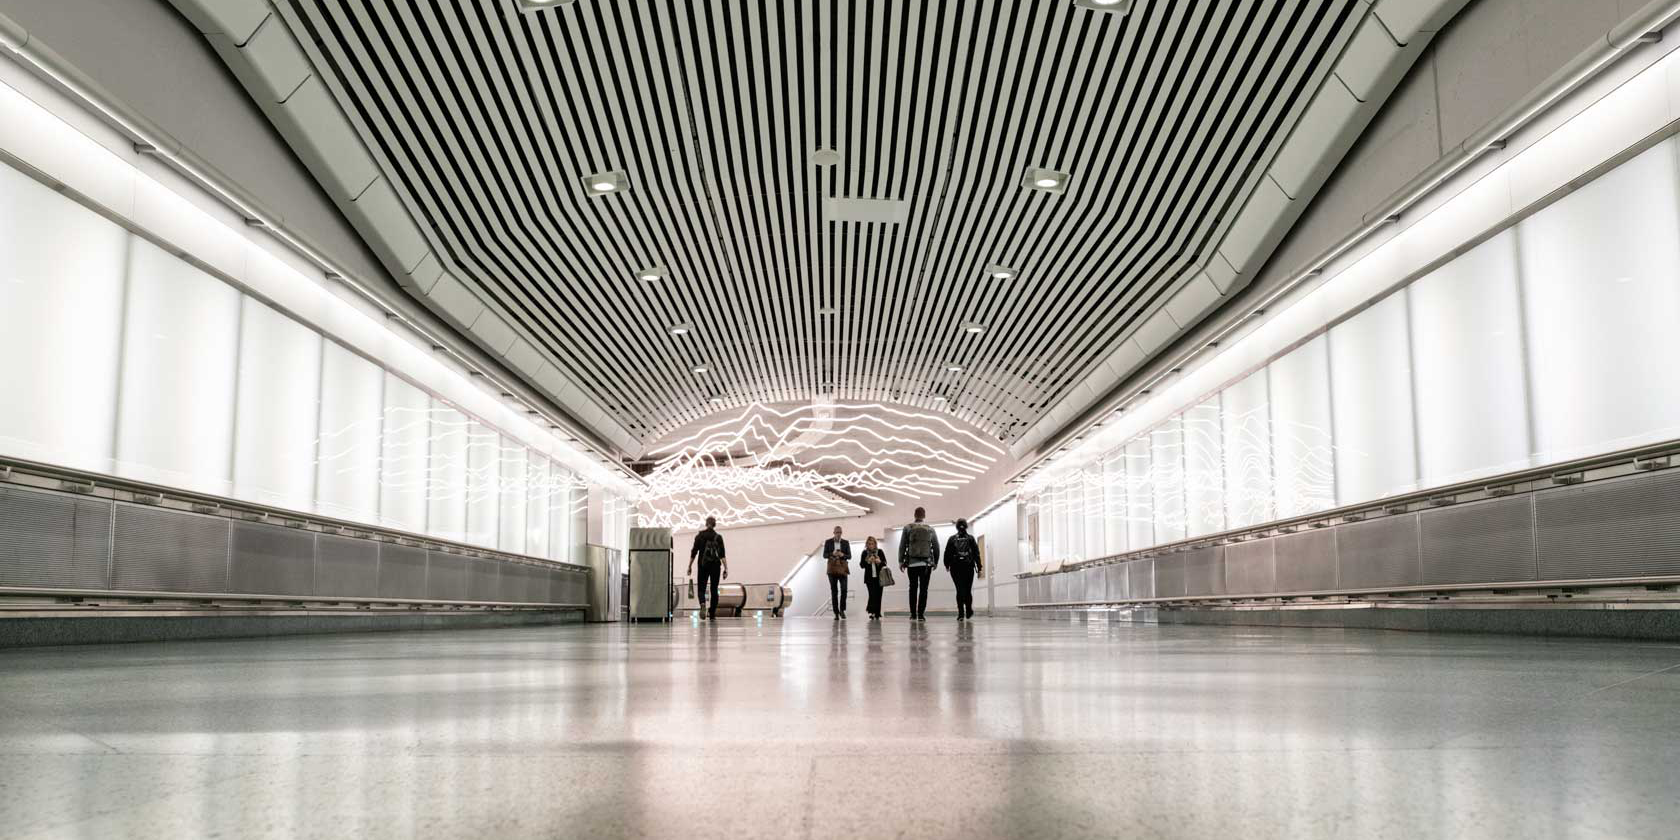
point(962, 558)
point(918, 554)
point(714, 566)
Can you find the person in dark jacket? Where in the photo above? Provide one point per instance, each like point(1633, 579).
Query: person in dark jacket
point(839, 555)
point(962, 559)
point(918, 555)
point(873, 560)
point(714, 565)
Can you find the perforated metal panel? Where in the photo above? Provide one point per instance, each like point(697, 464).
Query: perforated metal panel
point(1484, 542)
point(268, 560)
point(1204, 571)
point(1116, 575)
point(346, 567)
point(1096, 585)
point(1250, 568)
point(569, 587)
point(446, 576)
point(1379, 552)
point(1169, 576)
point(483, 580)
point(1140, 579)
point(169, 551)
point(402, 571)
point(1623, 528)
point(51, 540)
point(1304, 562)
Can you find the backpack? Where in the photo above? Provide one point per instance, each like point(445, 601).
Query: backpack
point(961, 548)
point(921, 542)
point(709, 552)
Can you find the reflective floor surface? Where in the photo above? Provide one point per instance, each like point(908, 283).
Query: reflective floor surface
point(809, 728)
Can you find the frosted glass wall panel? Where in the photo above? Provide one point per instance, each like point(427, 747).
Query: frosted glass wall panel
point(538, 490)
point(1166, 459)
point(1091, 515)
point(1114, 501)
point(561, 534)
point(1140, 495)
point(1246, 420)
point(1371, 384)
point(61, 291)
point(1302, 475)
point(405, 447)
point(1204, 470)
point(180, 346)
point(484, 449)
point(1601, 282)
point(278, 409)
point(446, 473)
point(1467, 343)
point(347, 458)
point(515, 494)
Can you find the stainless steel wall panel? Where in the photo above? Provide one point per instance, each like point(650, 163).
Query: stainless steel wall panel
point(346, 567)
point(1626, 527)
point(169, 551)
point(1204, 571)
point(1169, 576)
point(1250, 567)
point(1116, 582)
point(51, 540)
point(1483, 542)
point(484, 580)
point(1379, 552)
point(1304, 562)
point(269, 560)
point(446, 576)
point(1140, 579)
point(1096, 585)
point(568, 587)
point(402, 571)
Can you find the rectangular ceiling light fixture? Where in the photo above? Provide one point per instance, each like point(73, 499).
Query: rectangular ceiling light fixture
point(878, 210)
point(1118, 7)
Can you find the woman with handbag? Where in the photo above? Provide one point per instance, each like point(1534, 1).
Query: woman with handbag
point(875, 574)
point(839, 554)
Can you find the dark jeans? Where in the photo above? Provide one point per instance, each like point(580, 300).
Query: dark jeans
point(919, 576)
point(873, 584)
point(710, 572)
point(837, 593)
point(962, 574)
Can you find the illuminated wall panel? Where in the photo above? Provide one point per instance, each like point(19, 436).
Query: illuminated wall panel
point(180, 348)
point(405, 459)
point(1601, 282)
point(1166, 459)
point(446, 473)
point(352, 417)
point(1467, 340)
point(514, 492)
point(278, 409)
point(61, 292)
point(1303, 480)
point(1371, 384)
point(1113, 467)
point(484, 479)
point(1204, 470)
point(1140, 495)
point(538, 490)
point(1246, 418)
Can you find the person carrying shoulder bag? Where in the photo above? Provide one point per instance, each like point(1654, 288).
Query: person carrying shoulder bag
point(839, 554)
point(875, 574)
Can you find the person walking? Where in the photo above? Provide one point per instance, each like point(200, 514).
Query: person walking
point(839, 554)
point(918, 554)
point(874, 562)
point(962, 558)
point(714, 564)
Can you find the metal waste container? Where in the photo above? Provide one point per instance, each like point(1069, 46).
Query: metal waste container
point(606, 567)
point(650, 574)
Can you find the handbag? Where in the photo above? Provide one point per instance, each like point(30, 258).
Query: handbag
point(837, 567)
point(886, 577)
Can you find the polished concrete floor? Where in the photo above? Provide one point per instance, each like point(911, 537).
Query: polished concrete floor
point(808, 728)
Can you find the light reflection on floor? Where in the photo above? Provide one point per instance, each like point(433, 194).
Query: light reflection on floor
point(813, 728)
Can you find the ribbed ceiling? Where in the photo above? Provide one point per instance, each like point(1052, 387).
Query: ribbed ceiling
point(488, 118)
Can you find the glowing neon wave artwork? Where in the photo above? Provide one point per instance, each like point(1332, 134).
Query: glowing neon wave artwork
point(767, 464)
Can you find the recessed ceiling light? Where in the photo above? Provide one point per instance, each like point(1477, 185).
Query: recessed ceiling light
point(827, 310)
point(700, 369)
point(716, 400)
point(682, 329)
point(973, 329)
point(606, 183)
point(953, 369)
point(825, 157)
point(998, 272)
point(651, 273)
point(534, 5)
point(1117, 6)
point(1047, 180)
point(939, 398)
